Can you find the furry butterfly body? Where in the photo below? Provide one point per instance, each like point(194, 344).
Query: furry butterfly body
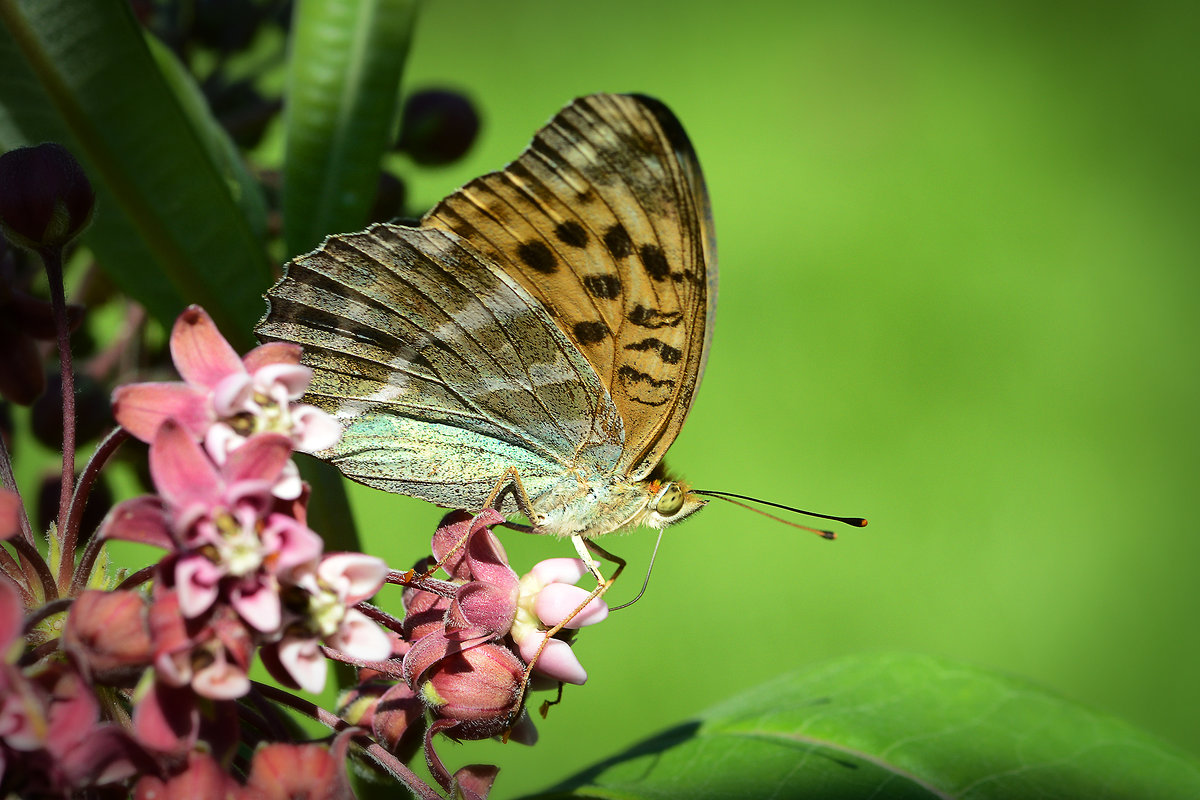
point(537, 341)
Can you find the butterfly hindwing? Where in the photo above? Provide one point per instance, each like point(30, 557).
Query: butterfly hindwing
point(443, 370)
point(605, 220)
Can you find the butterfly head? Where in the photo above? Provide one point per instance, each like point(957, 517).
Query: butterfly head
point(670, 502)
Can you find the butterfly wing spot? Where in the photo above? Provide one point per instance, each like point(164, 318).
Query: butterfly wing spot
point(603, 287)
point(645, 389)
point(669, 355)
point(571, 233)
point(538, 257)
point(590, 332)
point(645, 317)
point(655, 262)
point(617, 240)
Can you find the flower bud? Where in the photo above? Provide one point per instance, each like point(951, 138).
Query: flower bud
point(45, 198)
point(108, 633)
point(437, 126)
point(480, 688)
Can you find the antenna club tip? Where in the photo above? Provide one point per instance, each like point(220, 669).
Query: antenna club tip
point(858, 522)
point(828, 535)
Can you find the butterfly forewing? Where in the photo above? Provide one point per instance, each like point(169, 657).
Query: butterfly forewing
point(443, 370)
point(605, 220)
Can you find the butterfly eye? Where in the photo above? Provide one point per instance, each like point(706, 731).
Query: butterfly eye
point(669, 500)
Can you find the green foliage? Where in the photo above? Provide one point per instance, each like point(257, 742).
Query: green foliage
point(178, 220)
point(342, 76)
point(890, 727)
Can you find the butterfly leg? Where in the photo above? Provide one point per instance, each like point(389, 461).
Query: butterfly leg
point(593, 566)
point(510, 482)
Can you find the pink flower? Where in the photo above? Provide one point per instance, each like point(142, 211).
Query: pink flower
point(224, 400)
point(547, 597)
point(332, 587)
point(230, 539)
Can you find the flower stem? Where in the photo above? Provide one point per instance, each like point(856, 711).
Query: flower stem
point(87, 479)
point(52, 260)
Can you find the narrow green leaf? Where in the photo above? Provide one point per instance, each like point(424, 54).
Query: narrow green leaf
point(895, 726)
point(342, 94)
point(167, 227)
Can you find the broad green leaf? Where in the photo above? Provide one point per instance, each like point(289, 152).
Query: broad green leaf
point(167, 226)
point(342, 94)
point(895, 726)
point(221, 150)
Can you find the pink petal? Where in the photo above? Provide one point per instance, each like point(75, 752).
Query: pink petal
point(283, 382)
point(313, 430)
point(289, 486)
point(558, 600)
point(10, 508)
point(196, 581)
point(260, 458)
point(524, 731)
point(481, 610)
point(449, 541)
point(220, 680)
point(288, 771)
point(200, 352)
point(220, 440)
point(474, 781)
point(182, 471)
point(141, 519)
point(304, 661)
point(232, 395)
point(141, 407)
point(106, 755)
point(485, 555)
point(428, 650)
point(167, 719)
point(360, 637)
point(12, 614)
point(557, 661)
point(353, 576)
point(257, 603)
point(271, 353)
point(559, 570)
point(290, 543)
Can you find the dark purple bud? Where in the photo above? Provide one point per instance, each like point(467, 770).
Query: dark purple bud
point(98, 504)
point(242, 110)
point(22, 376)
point(92, 414)
point(45, 198)
point(226, 25)
point(390, 196)
point(438, 126)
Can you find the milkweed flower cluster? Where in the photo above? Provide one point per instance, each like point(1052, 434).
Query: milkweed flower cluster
point(140, 685)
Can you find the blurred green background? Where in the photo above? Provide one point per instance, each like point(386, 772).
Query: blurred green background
point(959, 265)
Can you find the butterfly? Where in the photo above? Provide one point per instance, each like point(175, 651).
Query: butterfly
point(536, 342)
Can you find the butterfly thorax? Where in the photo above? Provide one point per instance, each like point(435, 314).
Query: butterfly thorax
point(591, 508)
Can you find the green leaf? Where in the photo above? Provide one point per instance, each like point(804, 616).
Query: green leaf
point(895, 726)
point(168, 227)
point(342, 96)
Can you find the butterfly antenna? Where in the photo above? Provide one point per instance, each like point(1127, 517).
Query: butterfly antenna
point(728, 497)
point(645, 582)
